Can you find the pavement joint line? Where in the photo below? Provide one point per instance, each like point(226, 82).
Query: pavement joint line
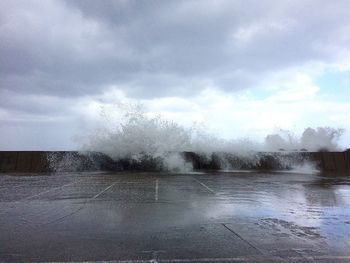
point(41, 193)
point(82, 206)
point(184, 260)
point(205, 186)
point(97, 195)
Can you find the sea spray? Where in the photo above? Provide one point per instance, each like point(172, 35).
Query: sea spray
point(319, 139)
point(65, 161)
point(134, 138)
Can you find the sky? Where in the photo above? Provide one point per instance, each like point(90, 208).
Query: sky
point(241, 68)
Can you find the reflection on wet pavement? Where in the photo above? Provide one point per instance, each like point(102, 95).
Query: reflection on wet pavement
point(194, 217)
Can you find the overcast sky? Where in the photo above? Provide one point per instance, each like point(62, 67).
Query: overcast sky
point(243, 68)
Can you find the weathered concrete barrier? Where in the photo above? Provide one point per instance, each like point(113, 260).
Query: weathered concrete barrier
point(335, 161)
point(53, 161)
point(72, 161)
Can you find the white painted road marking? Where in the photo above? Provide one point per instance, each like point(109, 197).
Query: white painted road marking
point(103, 191)
point(156, 191)
point(205, 186)
point(44, 192)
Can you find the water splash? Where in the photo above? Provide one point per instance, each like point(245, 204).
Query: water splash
point(129, 133)
point(319, 139)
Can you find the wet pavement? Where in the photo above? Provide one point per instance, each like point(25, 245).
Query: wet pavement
point(195, 217)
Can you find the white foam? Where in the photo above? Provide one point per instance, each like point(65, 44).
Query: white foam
point(129, 132)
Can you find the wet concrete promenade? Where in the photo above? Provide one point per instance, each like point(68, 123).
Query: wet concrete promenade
point(155, 217)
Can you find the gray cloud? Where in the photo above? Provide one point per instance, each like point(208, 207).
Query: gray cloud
point(52, 52)
point(34, 105)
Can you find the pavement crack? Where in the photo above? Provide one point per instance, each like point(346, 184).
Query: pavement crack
point(68, 215)
point(240, 237)
point(250, 244)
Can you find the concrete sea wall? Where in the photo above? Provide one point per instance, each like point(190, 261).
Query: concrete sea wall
point(52, 161)
point(69, 161)
point(324, 161)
